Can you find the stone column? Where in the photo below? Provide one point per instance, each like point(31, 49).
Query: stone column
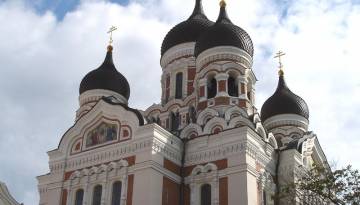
point(222, 87)
point(124, 188)
point(69, 200)
point(86, 190)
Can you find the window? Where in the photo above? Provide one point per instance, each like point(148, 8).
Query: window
point(206, 194)
point(79, 197)
point(174, 121)
point(192, 114)
point(211, 88)
point(116, 193)
point(232, 87)
point(97, 195)
point(179, 85)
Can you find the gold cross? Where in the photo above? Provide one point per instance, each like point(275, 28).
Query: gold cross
point(111, 30)
point(279, 55)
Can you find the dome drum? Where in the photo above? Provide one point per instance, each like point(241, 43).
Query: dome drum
point(224, 53)
point(286, 120)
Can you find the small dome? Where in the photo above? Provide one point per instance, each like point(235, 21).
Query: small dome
point(187, 31)
point(283, 101)
point(106, 77)
point(224, 33)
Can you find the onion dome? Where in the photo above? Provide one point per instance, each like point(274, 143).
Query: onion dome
point(187, 31)
point(224, 33)
point(283, 101)
point(106, 77)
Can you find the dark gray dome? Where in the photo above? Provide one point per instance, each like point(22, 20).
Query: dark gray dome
point(224, 33)
point(283, 101)
point(187, 31)
point(106, 77)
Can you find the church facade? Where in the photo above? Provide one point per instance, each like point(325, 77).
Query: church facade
point(205, 144)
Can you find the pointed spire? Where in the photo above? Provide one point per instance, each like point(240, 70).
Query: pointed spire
point(222, 3)
point(198, 10)
point(281, 84)
point(223, 16)
point(108, 61)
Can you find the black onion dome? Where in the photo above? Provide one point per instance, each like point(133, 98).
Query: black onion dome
point(187, 31)
point(106, 77)
point(224, 33)
point(283, 101)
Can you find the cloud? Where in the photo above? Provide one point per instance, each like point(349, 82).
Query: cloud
point(43, 60)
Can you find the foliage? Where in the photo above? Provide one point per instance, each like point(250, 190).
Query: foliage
point(323, 186)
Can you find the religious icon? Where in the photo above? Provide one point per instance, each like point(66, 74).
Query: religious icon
point(101, 134)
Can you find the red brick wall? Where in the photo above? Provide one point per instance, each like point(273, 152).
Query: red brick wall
point(222, 101)
point(187, 195)
point(202, 91)
point(242, 88)
point(64, 197)
point(130, 189)
point(171, 166)
point(222, 85)
point(170, 194)
point(223, 191)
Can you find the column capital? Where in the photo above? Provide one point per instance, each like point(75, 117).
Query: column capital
point(222, 76)
point(242, 79)
point(202, 82)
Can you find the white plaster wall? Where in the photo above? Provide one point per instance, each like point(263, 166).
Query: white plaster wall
point(147, 187)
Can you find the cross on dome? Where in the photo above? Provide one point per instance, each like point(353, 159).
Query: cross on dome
point(279, 55)
point(111, 30)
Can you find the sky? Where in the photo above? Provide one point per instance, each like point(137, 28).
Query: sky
point(47, 47)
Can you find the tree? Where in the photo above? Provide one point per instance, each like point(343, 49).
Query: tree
point(323, 186)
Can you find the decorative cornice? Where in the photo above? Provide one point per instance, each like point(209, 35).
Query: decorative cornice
point(222, 53)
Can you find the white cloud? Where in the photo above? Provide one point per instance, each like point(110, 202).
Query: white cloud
point(43, 61)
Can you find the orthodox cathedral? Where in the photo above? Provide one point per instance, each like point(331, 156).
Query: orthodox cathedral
point(205, 144)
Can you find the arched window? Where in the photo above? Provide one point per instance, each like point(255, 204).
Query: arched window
point(174, 121)
point(206, 194)
point(232, 87)
point(97, 195)
point(211, 88)
point(79, 197)
point(192, 114)
point(116, 193)
point(179, 85)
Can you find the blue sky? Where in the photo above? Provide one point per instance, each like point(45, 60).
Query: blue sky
point(44, 56)
point(61, 7)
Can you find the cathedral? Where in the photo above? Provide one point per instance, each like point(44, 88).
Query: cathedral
point(206, 143)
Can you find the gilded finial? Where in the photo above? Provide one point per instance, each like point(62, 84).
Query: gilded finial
point(222, 3)
point(111, 30)
point(279, 55)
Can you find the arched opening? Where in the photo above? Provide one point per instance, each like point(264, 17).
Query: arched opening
point(179, 86)
point(211, 88)
point(249, 91)
point(174, 121)
point(233, 87)
point(79, 196)
point(116, 193)
point(206, 194)
point(96, 200)
point(192, 114)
